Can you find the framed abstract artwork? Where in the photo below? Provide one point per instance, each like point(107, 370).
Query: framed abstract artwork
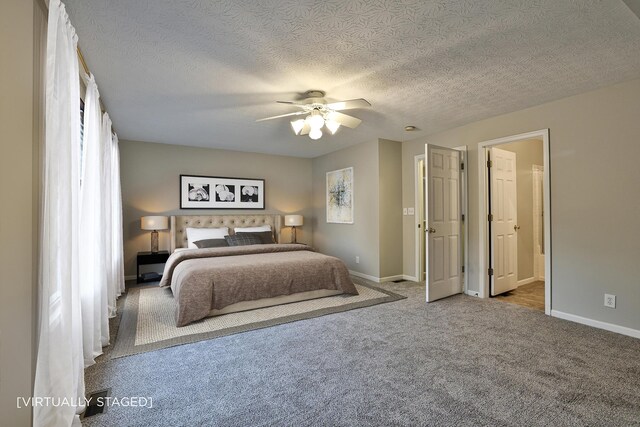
point(215, 192)
point(340, 196)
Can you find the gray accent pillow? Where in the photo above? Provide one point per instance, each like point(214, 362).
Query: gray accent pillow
point(243, 239)
point(211, 243)
point(265, 237)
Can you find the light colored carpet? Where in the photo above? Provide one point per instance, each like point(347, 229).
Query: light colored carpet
point(460, 361)
point(149, 323)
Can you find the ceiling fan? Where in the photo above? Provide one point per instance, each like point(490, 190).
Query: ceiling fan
point(321, 114)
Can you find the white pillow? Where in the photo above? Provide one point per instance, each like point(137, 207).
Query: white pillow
point(265, 227)
point(195, 234)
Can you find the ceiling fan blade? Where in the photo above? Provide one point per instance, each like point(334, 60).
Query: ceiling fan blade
point(305, 129)
point(344, 120)
point(289, 102)
point(297, 113)
point(349, 104)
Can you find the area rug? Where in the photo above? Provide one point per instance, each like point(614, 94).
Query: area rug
point(148, 321)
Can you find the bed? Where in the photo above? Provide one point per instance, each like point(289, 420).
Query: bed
point(214, 281)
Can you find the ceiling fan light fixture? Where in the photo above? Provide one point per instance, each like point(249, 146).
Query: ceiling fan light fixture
point(332, 125)
point(315, 120)
point(315, 134)
point(297, 125)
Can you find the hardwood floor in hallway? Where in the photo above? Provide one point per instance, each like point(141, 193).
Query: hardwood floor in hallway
point(530, 295)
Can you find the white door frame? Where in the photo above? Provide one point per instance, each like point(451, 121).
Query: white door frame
point(418, 230)
point(482, 211)
point(464, 210)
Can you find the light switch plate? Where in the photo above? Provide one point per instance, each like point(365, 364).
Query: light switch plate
point(404, 211)
point(410, 211)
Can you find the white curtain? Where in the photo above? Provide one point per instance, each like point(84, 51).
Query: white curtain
point(59, 369)
point(106, 142)
point(94, 212)
point(117, 247)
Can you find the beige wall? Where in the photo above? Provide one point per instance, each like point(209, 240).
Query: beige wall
point(362, 238)
point(390, 207)
point(374, 236)
point(150, 185)
point(528, 153)
point(18, 218)
point(594, 203)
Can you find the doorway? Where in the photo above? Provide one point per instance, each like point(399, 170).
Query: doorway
point(515, 244)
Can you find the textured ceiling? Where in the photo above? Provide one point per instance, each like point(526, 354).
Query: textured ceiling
point(200, 73)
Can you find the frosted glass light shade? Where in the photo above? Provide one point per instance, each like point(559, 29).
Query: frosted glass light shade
point(332, 126)
point(154, 222)
point(297, 125)
point(293, 220)
point(315, 134)
point(315, 120)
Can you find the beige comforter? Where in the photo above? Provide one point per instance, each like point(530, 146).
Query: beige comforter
point(206, 279)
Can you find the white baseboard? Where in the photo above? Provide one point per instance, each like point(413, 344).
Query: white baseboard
point(526, 281)
point(596, 324)
point(383, 279)
point(365, 276)
point(392, 278)
point(472, 293)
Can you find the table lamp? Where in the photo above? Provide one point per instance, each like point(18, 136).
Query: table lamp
point(154, 223)
point(293, 221)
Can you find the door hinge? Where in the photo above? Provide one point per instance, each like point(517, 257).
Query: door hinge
point(490, 217)
point(489, 163)
point(463, 268)
point(461, 166)
point(463, 217)
point(490, 272)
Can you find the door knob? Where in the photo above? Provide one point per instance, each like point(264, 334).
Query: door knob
point(516, 227)
point(431, 230)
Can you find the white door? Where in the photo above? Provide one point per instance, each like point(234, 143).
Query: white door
point(503, 221)
point(443, 222)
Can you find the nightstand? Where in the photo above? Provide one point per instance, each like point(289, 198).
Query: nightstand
point(146, 258)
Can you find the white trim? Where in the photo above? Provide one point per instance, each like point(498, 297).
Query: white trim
point(538, 210)
point(391, 278)
point(365, 276)
point(416, 220)
point(526, 281)
point(635, 333)
point(465, 210)
point(132, 277)
point(483, 243)
point(383, 279)
point(472, 293)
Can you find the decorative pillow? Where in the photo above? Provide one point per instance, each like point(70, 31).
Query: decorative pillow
point(211, 243)
point(265, 227)
point(266, 237)
point(196, 234)
point(243, 239)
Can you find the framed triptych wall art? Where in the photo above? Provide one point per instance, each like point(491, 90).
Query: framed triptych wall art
point(214, 192)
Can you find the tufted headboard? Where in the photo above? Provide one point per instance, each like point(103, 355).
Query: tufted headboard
point(179, 223)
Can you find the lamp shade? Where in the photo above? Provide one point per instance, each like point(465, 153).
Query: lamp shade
point(154, 222)
point(293, 220)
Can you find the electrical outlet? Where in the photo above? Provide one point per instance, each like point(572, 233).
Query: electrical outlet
point(410, 211)
point(357, 260)
point(609, 300)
